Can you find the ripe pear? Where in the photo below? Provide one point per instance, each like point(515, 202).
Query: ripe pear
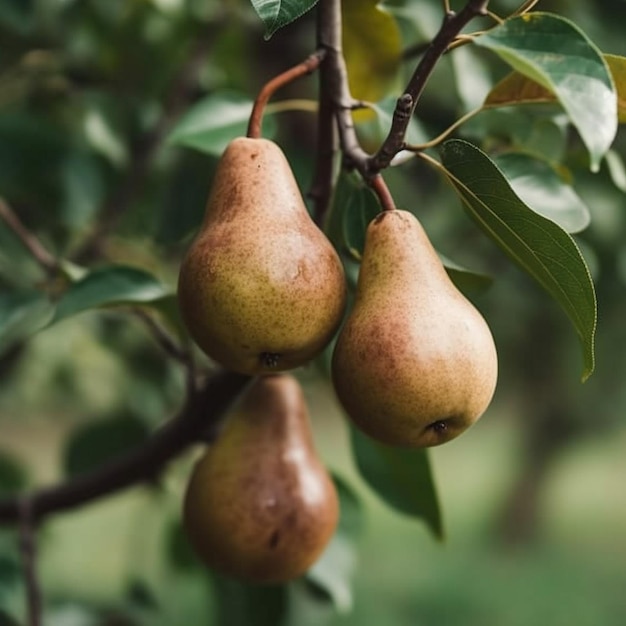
point(260, 506)
point(261, 289)
point(415, 363)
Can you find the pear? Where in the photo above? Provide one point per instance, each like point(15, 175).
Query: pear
point(260, 506)
point(261, 289)
point(415, 363)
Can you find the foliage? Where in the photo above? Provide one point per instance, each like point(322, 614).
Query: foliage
point(112, 116)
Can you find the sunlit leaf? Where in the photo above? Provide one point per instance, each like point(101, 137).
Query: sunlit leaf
point(107, 286)
point(402, 477)
point(555, 53)
point(372, 46)
point(213, 122)
point(515, 88)
point(278, 13)
point(538, 245)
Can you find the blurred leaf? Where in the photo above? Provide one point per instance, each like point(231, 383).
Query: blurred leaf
point(372, 46)
point(401, 477)
point(278, 13)
point(13, 475)
point(17, 14)
point(241, 604)
point(515, 88)
point(10, 572)
point(466, 280)
point(7, 620)
point(541, 188)
point(555, 53)
point(212, 123)
point(106, 286)
point(90, 446)
point(538, 245)
point(361, 207)
point(334, 570)
point(178, 548)
point(617, 170)
point(141, 596)
point(22, 314)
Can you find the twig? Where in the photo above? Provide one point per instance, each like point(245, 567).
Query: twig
point(47, 261)
point(452, 25)
point(307, 66)
point(28, 551)
point(198, 420)
point(163, 338)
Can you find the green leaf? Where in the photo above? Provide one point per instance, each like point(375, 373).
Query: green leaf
point(7, 620)
point(556, 54)
point(361, 208)
point(212, 123)
point(22, 313)
point(372, 46)
point(92, 445)
point(402, 477)
point(242, 604)
point(107, 286)
point(278, 13)
point(334, 571)
point(541, 188)
point(13, 475)
point(464, 279)
point(538, 245)
point(17, 14)
point(515, 88)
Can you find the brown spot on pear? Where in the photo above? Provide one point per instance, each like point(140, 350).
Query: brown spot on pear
point(260, 278)
point(260, 506)
point(415, 363)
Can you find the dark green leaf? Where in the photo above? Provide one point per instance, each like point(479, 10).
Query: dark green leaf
point(334, 571)
point(538, 245)
point(17, 14)
point(7, 620)
point(95, 444)
point(22, 313)
point(12, 474)
point(359, 206)
point(107, 286)
point(560, 57)
point(278, 13)
point(402, 477)
point(241, 604)
point(466, 280)
point(541, 188)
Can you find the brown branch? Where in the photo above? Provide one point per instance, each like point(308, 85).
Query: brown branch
point(452, 25)
point(37, 250)
point(307, 66)
point(28, 551)
point(199, 419)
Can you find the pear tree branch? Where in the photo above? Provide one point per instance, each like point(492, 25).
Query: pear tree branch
point(198, 420)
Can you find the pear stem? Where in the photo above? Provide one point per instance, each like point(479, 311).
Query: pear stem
point(379, 186)
point(307, 66)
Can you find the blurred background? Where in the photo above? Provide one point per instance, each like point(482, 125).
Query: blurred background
point(532, 496)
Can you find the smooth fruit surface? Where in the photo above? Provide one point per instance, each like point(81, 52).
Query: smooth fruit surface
point(260, 506)
point(415, 363)
point(261, 289)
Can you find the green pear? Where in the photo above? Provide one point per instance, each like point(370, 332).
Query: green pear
point(260, 506)
point(415, 363)
point(261, 289)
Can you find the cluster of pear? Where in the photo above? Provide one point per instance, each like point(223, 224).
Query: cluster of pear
point(262, 290)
